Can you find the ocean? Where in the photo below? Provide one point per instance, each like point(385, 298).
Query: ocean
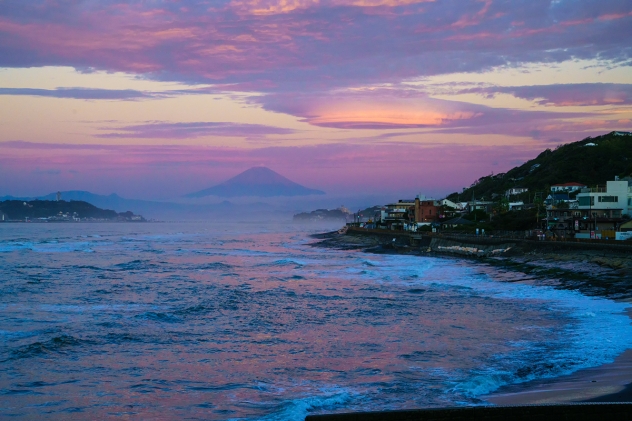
point(243, 321)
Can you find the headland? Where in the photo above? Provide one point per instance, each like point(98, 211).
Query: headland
point(61, 211)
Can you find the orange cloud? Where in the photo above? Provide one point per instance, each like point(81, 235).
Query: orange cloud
point(272, 7)
point(368, 113)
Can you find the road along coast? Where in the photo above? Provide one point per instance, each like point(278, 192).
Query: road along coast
point(593, 269)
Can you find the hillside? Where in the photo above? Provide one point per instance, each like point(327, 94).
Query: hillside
point(323, 215)
point(19, 210)
point(591, 161)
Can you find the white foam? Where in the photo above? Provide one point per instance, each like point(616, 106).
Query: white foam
point(298, 409)
point(601, 330)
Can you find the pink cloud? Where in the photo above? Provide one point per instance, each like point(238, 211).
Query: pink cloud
point(299, 45)
point(382, 109)
point(161, 130)
point(576, 94)
point(406, 108)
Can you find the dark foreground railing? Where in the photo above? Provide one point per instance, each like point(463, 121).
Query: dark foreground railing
point(572, 412)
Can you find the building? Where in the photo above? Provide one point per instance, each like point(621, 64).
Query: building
point(582, 223)
point(397, 215)
point(427, 211)
point(615, 198)
point(556, 199)
point(626, 227)
point(515, 206)
point(516, 190)
point(567, 187)
point(485, 206)
point(599, 209)
point(456, 222)
point(449, 203)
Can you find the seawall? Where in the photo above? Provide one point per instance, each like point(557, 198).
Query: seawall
point(598, 261)
point(489, 246)
point(576, 412)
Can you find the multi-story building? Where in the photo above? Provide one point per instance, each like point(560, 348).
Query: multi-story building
point(599, 209)
point(397, 215)
point(615, 198)
point(427, 210)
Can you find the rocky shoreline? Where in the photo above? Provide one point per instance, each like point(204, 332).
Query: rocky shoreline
point(593, 269)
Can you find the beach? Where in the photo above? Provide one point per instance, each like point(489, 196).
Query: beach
point(606, 383)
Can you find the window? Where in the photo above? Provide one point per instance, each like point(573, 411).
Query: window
point(609, 199)
point(586, 200)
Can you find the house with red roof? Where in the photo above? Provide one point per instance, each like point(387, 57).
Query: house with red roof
point(567, 187)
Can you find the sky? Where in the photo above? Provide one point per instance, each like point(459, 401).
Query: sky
point(155, 99)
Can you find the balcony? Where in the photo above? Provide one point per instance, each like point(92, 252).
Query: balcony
point(598, 189)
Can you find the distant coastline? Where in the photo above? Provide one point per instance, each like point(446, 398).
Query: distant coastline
point(61, 211)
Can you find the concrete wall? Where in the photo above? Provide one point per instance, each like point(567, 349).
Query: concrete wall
point(576, 412)
point(443, 245)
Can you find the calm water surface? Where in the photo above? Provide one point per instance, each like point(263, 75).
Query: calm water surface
point(200, 321)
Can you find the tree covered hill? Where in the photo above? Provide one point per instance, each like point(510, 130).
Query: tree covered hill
point(592, 161)
point(18, 210)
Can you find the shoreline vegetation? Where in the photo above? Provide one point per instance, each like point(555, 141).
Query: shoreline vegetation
point(593, 269)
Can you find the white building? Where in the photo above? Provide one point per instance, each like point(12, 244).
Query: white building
point(516, 190)
point(617, 196)
point(446, 202)
point(567, 187)
point(516, 206)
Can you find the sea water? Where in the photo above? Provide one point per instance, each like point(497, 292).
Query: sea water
point(171, 321)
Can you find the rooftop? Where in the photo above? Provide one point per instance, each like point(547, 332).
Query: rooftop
point(569, 185)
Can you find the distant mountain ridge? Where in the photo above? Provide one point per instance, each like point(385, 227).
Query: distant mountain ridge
point(257, 181)
point(592, 161)
point(149, 209)
point(112, 201)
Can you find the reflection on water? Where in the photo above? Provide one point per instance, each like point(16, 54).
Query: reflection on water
point(201, 321)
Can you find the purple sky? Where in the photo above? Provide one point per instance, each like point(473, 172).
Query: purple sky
point(159, 98)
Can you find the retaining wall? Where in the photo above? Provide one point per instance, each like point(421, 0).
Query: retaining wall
point(572, 412)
